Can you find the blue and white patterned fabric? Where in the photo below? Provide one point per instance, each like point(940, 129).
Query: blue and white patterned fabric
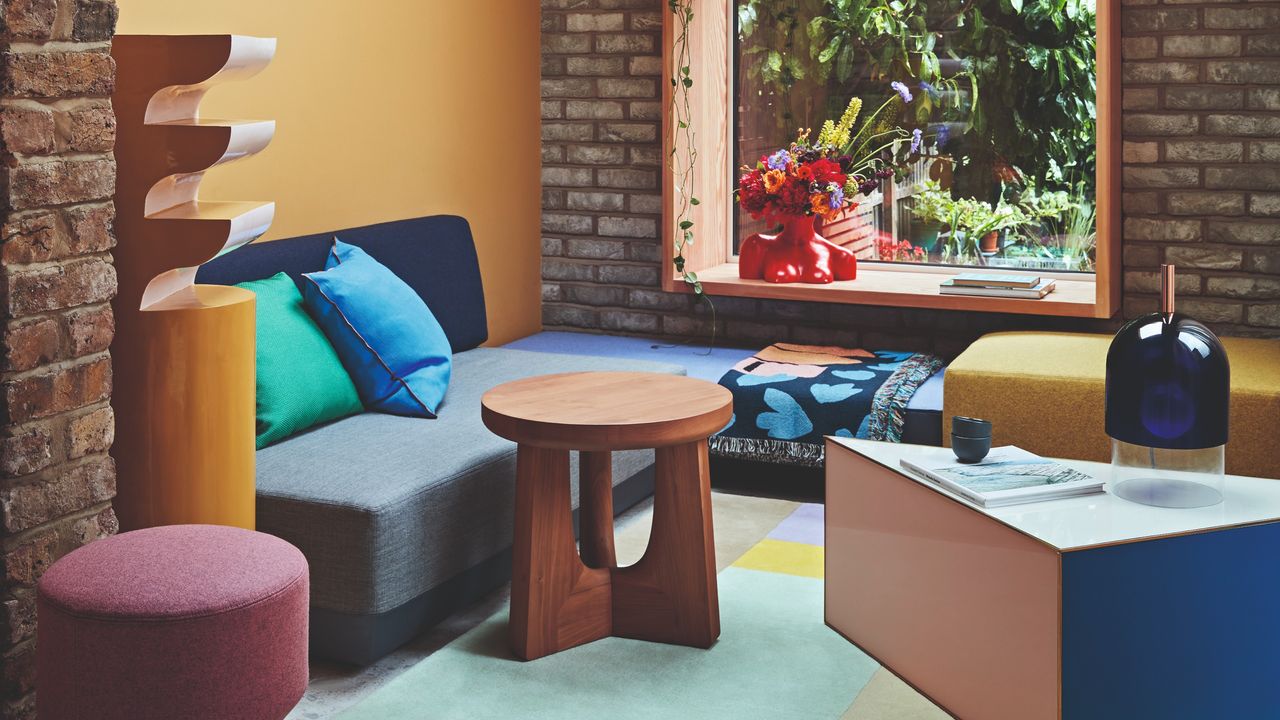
point(786, 398)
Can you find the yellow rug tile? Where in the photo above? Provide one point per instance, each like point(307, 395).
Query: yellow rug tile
point(779, 556)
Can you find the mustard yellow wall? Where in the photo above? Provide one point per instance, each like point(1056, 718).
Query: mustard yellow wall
point(389, 109)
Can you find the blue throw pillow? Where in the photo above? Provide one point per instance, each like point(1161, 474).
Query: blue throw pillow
point(392, 346)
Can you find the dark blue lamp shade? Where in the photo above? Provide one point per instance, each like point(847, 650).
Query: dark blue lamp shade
point(1168, 381)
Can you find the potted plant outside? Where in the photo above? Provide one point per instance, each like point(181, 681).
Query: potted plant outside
point(973, 227)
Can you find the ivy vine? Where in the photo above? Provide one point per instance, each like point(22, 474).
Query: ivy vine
point(682, 165)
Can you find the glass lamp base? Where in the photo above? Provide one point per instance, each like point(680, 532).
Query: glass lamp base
point(1167, 478)
point(1164, 492)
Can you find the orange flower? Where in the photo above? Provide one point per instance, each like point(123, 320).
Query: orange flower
point(821, 205)
point(773, 180)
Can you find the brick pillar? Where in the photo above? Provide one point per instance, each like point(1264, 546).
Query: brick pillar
point(56, 281)
point(601, 153)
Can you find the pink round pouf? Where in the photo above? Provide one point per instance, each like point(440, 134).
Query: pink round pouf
point(198, 622)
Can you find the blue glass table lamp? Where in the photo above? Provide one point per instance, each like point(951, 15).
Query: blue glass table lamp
point(1168, 393)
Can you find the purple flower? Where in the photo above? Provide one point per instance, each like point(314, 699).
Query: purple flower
point(944, 134)
point(929, 88)
point(902, 91)
point(916, 138)
point(837, 197)
point(779, 160)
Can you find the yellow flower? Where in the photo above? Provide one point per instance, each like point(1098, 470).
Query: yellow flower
point(851, 114)
point(773, 180)
point(841, 133)
point(828, 134)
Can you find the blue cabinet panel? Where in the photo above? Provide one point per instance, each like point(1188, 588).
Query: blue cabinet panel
point(1184, 628)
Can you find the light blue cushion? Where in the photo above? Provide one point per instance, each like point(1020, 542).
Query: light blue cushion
point(392, 346)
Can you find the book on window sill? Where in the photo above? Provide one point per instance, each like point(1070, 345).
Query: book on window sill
point(994, 280)
point(1008, 475)
point(948, 287)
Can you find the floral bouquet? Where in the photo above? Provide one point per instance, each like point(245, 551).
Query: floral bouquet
point(820, 178)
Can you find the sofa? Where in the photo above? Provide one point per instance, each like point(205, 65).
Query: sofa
point(404, 520)
point(1046, 392)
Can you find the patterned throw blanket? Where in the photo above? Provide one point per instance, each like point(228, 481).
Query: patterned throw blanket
point(787, 397)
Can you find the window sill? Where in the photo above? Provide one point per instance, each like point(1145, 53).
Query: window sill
point(916, 287)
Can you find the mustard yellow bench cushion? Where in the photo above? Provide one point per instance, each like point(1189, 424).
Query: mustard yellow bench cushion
point(1045, 392)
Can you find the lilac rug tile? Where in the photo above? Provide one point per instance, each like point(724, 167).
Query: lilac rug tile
point(805, 525)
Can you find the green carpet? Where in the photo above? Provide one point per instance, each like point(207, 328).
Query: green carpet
point(775, 659)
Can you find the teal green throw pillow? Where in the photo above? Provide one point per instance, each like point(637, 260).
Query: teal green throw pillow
point(301, 381)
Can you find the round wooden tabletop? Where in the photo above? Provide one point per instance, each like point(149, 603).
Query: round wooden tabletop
point(607, 410)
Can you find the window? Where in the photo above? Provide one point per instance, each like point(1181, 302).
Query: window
point(1003, 96)
point(1017, 105)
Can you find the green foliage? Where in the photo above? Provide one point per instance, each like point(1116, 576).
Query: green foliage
point(967, 220)
point(1045, 206)
point(932, 204)
point(883, 39)
point(1056, 224)
point(776, 49)
point(966, 214)
point(1024, 92)
point(1064, 229)
point(1031, 64)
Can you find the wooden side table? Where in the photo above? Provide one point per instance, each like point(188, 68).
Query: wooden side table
point(560, 599)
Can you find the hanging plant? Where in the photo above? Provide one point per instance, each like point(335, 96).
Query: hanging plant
point(681, 131)
point(682, 165)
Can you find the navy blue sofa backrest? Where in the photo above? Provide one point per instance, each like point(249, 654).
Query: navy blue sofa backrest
point(436, 256)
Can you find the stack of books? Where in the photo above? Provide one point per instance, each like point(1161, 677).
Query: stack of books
point(1007, 476)
point(989, 285)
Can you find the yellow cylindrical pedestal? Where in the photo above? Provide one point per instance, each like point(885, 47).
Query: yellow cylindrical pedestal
point(185, 450)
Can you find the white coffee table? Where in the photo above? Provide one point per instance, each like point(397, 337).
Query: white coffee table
point(1088, 608)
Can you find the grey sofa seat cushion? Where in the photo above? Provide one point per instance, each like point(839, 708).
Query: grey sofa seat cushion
point(386, 507)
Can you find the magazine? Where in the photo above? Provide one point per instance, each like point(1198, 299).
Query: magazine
point(1044, 287)
point(1007, 476)
point(988, 280)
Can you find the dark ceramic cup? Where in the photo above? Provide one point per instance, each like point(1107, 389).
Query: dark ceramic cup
point(970, 438)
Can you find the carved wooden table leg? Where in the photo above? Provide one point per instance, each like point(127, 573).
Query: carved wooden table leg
point(560, 599)
point(670, 595)
point(595, 509)
point(556, 601)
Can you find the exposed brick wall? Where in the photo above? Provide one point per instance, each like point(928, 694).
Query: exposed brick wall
point(1202, 147)
point(1202, 99)
point(57, 131)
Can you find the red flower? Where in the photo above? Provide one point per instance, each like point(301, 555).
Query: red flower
point(751, 193)
point(793, 199)
point(825, 170)
point(803, 188)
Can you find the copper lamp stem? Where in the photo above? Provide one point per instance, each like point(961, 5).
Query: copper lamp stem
point(1166, 290)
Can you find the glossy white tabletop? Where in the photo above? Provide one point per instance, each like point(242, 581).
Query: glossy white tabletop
point(1078, 523)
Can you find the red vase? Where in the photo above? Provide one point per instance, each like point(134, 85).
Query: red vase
point(797, 254)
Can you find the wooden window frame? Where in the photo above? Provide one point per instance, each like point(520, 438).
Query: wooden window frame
point(889, 284)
